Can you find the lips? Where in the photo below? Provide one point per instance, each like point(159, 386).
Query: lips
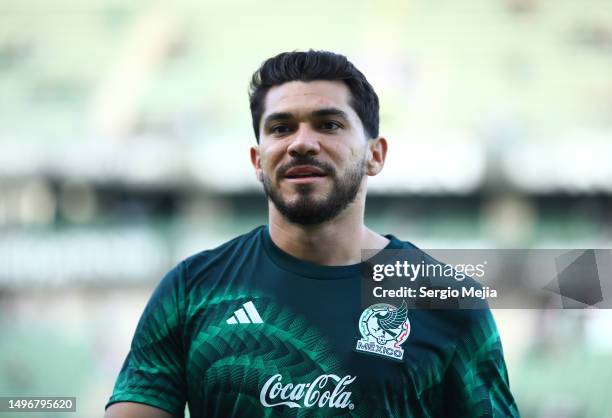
point(304, 171)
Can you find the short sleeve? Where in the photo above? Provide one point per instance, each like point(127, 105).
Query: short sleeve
point(476, 383)
point(153, 372)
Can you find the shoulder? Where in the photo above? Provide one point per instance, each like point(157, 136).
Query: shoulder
point(397, 243)
point(228, 253)
point(224, 250)
point(454, 270)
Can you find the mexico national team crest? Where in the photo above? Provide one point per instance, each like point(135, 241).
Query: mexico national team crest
point(384, 328)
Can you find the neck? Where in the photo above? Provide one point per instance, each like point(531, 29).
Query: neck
point(333, 243)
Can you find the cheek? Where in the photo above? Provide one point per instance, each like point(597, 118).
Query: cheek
point(264, 161)
point(270, 156)
point(348, 157)
point(269, 164)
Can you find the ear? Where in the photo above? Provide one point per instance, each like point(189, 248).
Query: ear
point(256, 161)
point(377, 154)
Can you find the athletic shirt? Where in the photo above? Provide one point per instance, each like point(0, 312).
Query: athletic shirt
point(247, 330)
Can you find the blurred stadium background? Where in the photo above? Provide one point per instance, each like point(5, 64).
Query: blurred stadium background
point(124, 135)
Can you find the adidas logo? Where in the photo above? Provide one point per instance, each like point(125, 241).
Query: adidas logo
point(248, 315)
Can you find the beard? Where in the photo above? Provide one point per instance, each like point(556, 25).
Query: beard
point(306, 210)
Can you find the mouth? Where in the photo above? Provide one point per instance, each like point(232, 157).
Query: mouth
point(304, 174)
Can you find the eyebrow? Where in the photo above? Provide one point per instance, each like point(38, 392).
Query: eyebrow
point(328, 111)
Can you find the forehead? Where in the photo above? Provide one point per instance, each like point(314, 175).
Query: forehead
point(298, 97)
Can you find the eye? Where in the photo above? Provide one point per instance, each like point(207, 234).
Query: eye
point(280, 129)
point(330, 125)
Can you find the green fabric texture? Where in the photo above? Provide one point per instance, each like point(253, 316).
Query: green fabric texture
point(198, 344)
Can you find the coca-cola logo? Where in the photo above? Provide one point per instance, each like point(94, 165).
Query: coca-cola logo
point(316, 393)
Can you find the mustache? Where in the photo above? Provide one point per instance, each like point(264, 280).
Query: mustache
point(305, 160)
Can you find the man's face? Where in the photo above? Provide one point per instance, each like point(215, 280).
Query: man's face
point(312, 150)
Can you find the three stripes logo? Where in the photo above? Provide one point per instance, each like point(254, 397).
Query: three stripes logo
point(245, 315)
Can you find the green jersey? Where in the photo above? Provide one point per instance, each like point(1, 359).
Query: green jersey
point(246, 330)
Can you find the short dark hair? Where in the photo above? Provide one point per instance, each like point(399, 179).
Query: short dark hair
point(309, 66)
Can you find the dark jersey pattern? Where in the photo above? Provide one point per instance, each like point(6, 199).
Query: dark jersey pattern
point(246, 330)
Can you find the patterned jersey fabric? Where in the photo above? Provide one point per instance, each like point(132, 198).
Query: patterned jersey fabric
point(246, 330)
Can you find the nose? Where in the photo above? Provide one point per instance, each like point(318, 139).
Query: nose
point(304, 142)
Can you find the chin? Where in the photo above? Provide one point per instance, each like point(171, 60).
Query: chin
point(307, 195)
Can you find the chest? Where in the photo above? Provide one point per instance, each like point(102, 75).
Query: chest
point(290, 345)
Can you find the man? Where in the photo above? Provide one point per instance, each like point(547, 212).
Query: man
point(270, 323)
